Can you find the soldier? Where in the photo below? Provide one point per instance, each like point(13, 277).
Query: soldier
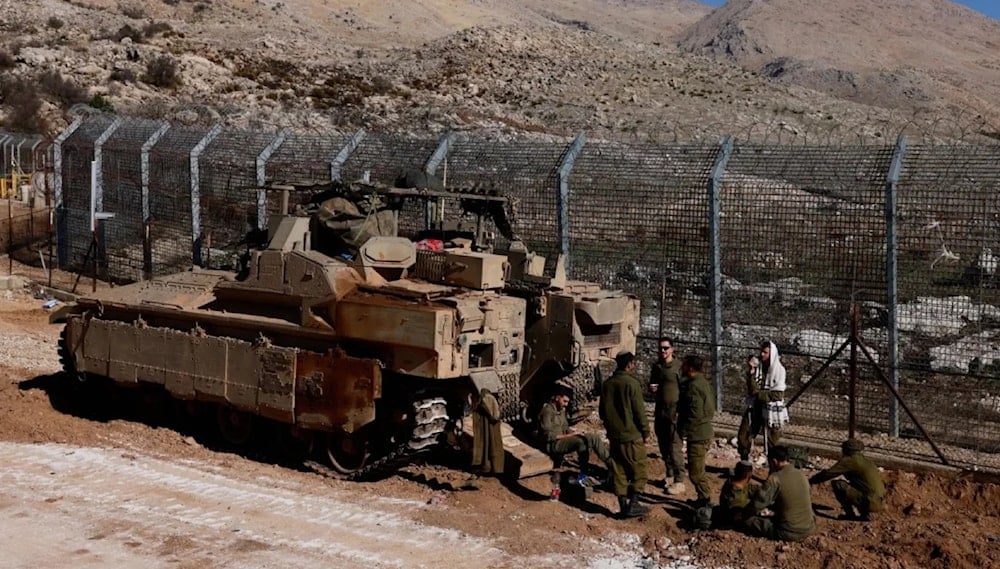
point(862, 487)
point(560, 440)
point(624, 414)
point(786, 493)
point(697, 408)
point(487, 442)
point(664, 382)
point(737, 494)
point(765, 400)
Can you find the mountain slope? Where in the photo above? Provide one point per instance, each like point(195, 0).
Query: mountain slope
point(894, 53)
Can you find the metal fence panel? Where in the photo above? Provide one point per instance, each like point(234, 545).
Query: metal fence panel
point(524, 171)
point(121, 165)
point(170, 199)
point(78, 153)
point(803, 236)
point(949, 301)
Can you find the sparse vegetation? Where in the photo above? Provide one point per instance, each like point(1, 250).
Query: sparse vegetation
point(6, 60)
point(153, 28)
point(122, 75)
point(127, 31)
point(55, 23)
point(162, 72)
point(23, 102)
point(100, 103)
point(134, 10)
point(61, 89)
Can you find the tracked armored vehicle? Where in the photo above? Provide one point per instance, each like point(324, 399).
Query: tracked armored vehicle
point(350, 341)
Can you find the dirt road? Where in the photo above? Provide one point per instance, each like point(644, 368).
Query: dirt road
point(77, 490)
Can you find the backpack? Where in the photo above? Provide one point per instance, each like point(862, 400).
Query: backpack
point(798, 456)
point(702, 519)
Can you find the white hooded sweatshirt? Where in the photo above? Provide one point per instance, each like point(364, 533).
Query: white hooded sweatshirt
point(774, 380)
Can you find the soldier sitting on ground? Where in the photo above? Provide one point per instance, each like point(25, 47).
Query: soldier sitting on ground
point(786, 493)
point(559, 439)
point(737, 494)
point(862, 486)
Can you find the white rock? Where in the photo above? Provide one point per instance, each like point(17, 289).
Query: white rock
point(942, 316)
point(959, 355)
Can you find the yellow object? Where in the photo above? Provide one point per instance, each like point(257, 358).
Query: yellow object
point(3, 188)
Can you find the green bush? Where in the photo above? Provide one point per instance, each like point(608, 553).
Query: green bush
point(102, 104)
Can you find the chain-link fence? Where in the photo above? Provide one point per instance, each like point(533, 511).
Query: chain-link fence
point(726, 244)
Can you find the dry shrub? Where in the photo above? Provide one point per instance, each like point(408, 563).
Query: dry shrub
point(61, 89)
point(134, 10)
point(162, 72)
point(122, 75)
point(153, 28)
point(23, 104)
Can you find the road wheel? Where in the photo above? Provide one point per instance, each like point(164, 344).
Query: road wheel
point(235, 426)
point(348, 453)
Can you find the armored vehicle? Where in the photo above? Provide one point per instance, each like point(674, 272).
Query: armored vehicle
point(350, 340)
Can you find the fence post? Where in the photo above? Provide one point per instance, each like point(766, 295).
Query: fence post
point(262, 159)
point(147, 246)
point(98, 188)
point(715, 248)
point(562, 198)
point(62, 251)
point(892, 283)
point(338, 161)
point(97, 199)
point(430, 168)
point(4, 163)
point(196, 192)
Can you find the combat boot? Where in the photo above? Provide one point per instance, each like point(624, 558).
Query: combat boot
point(631, 506)
point(623, 507)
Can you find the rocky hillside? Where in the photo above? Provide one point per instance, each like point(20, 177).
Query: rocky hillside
point(892, 53)
point(609, 67)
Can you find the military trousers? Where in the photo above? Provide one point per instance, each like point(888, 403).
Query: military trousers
point(671, 447)
point(697, 452)
point(853, 497)
point(582, 444)
point(751, 426)
point(628, 467)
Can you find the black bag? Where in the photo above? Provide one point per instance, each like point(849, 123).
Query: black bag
point(703, 517)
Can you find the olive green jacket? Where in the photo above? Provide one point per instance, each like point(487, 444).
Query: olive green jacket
point(668, 394)
point(551, 424)
point(697, 408)
point(787, 494)
point(860, 473)
point(734, 501)
point(623, 409)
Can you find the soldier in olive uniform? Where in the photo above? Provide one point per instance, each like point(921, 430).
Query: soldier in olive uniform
point(624, 414)
point(664, 382)
point(786, 493)
point(862, 486)
point(697, 408)
point(737, 494)
point(560, 440)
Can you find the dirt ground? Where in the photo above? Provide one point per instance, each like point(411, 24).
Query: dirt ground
point(81, 490)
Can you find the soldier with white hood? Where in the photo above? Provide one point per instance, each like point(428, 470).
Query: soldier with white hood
point(765, 400)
